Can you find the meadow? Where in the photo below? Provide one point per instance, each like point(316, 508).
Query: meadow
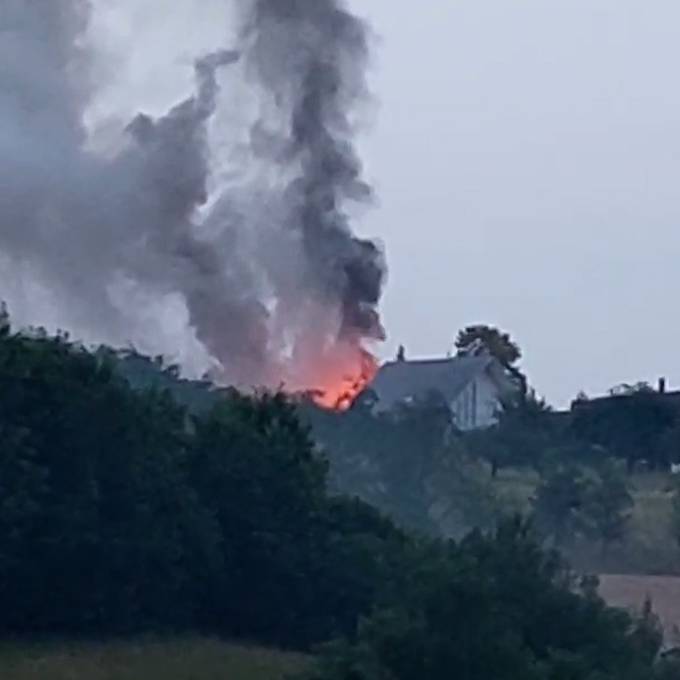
point(175, 659)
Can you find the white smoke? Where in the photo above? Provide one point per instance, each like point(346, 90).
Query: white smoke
point(216, 232)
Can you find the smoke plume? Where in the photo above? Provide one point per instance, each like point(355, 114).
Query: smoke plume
point(263, 271)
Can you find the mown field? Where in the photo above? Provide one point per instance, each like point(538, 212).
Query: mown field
point(631, 592)
point(179, 659)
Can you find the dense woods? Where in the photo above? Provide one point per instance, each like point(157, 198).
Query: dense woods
point(121, 512)
point(124, 511)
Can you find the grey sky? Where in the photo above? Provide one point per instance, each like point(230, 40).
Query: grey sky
point(525, 155)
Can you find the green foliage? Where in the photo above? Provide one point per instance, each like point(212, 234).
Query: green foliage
point(635, 424)
point(558, 504)
point(410, 463)
point(199, 397)
point(287, 547)
point(121, 512)
point(670, 442)
point(669, 666)
point(631, 426)
point(608, 505)
point(523, 436)
point(573, 501)
point(499, 344)
point(100, 520)
point(494, 607)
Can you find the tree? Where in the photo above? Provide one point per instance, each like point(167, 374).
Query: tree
point(676, 514)
point(558, 504)
point(670, 443)
point(500, 345)
point(631, 425)
point(574, 501)
point(608, 505)
point(5, 326)
point(411, 463)
point(493, 607)
point(524, 434)
point(107, 536)
point(253, 466)
point(387, 459)
point(669, 666)
point(23, 487)
point(120, 512)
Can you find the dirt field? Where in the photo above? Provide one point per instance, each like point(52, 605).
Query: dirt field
point(630, 592)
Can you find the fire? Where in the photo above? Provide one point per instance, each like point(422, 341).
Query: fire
point(343, 379)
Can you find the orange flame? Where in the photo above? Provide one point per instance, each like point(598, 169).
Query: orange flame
point(343, 379)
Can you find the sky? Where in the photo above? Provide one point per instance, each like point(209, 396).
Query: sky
point(525, 157)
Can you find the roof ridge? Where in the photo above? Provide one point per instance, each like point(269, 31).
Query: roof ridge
point(444, 360)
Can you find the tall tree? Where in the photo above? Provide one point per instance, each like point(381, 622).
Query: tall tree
point(499, 344)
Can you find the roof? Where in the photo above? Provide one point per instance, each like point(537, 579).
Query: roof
point(399, 380)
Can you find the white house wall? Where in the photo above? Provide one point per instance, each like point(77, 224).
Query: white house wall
point(477, 405)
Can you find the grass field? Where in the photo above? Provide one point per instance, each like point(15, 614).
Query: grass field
point(182, 659)
point(631, 592)
point(649, 547)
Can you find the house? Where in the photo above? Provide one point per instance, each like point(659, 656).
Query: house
point(474, 384)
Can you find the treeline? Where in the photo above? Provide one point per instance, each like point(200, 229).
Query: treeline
point(639, 427)
point(121, 512)
point(588, 465)
point(570, 473)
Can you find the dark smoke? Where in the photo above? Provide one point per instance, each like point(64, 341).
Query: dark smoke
point(310, 56)
point(266, 269)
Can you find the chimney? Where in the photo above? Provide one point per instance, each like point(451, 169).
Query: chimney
point(401, 353)
point(662, 385)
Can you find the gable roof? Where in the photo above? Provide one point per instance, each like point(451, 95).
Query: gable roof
point(399, 380)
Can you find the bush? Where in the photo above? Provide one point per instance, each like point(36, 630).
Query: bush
point(494, 607)
point(120, 512)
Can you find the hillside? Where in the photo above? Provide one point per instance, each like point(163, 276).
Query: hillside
point(185, 659)
point(647, 547)
point(128, 518)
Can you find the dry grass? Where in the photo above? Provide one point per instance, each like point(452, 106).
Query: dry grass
point(184, 659)
point(649, 547)
point(631, 592)
point(517, 486)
